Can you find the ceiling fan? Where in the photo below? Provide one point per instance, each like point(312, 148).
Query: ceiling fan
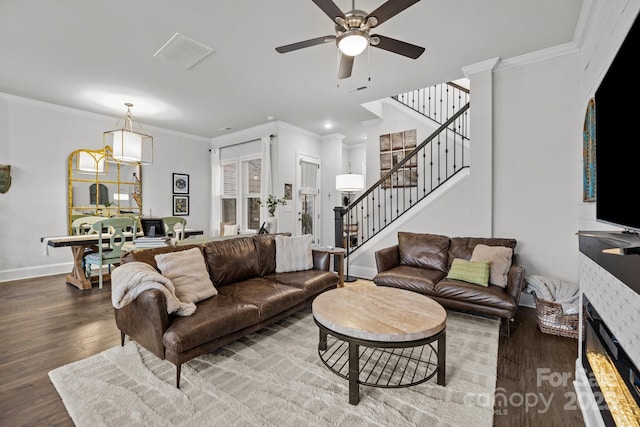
point(352, 33)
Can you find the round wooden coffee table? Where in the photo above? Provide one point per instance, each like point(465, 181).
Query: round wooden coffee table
point(381, 337)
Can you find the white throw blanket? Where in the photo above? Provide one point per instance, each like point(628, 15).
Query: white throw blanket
point(132, 278)
point(561, 292)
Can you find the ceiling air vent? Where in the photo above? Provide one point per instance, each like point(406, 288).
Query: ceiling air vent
point(183, 51)
point(357, 89)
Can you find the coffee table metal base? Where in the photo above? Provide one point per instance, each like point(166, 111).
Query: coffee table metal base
point(382, 364)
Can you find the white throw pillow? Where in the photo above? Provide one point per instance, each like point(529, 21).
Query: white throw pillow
point(293, 253)
point(499, 258)
point(188, 273)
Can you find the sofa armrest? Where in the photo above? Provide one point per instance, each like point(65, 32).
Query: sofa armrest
point(144, 320)
point(515, 280)
point(321, 260)
point(387, 258)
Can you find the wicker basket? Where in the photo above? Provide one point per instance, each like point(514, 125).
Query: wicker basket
point(551, 319)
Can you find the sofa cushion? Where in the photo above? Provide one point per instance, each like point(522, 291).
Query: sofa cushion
point(491, 296)
point(293, 253)
point(231, 260)
point(422, 280)
point(188, 273)
point(271, 298)
point(499, 258)
point(214, 318)
point(148, 255)
point(462, 247)
point(266, 249)
point(311, 281)
point(469, 271)
point(423, 250)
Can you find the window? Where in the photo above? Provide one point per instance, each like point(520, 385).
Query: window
point(229, 192)
point(252, 175)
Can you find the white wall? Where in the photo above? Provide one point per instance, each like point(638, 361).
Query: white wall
point(531, 181)
point(36, 139)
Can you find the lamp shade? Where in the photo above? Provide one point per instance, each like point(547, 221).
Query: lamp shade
point(127, 146)
point(349, 182)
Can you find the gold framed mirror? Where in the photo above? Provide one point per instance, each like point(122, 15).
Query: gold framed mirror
point(98, 185)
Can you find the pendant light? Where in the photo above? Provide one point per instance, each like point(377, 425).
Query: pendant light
point(128, 145)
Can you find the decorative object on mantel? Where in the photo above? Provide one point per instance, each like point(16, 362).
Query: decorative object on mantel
point(180, 183)
point(272, 203)
point(180, 205)
point(128, 145)
point(589, 153)
point(393, 148)
point(5, 178)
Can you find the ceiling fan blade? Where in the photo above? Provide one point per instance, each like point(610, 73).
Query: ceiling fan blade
point(330, 8)
point(396, 46)
point(389, 9)
point(346, 65)
point(306, 43)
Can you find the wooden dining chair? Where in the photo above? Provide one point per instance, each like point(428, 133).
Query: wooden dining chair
point(109, 244)
point(170, 223)
point(84, 224)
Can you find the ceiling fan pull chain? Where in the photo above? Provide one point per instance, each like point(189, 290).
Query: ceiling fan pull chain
point(369, 60)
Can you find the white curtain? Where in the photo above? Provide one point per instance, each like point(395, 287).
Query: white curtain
point(265, 176)
point(216, 191)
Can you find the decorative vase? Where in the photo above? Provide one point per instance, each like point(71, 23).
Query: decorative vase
point(272, 225)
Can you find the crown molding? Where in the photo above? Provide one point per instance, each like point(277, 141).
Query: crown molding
point(479, 67)
point(538, 56)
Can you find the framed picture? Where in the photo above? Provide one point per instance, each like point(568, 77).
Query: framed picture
point(288, 191)
point(589, 153)
point(180, 183)
point(394, 147)
point(180, 205)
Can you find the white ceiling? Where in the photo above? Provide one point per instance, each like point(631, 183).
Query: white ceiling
point(96, 55)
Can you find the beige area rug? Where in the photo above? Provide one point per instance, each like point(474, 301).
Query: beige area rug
point(276, 378)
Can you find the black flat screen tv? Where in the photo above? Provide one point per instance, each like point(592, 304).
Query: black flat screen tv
point(617, 142)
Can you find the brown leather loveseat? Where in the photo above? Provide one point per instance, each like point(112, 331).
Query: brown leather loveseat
point(251, 295)
point(420, 262)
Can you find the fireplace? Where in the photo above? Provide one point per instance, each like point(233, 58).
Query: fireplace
point(613, 377)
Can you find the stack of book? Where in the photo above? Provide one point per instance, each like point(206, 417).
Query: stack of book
point(151, 242)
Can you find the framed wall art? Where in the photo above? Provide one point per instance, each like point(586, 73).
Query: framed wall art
point(394, 147)
point(589, 153)
point(180, 205)
point(180, 183)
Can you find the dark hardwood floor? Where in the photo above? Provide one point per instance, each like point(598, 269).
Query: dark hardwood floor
point(45, 323)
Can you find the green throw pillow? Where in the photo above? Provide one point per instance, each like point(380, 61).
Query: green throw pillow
point(476, 272)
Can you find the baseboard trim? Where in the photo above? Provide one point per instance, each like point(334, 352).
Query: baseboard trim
point(37, 271)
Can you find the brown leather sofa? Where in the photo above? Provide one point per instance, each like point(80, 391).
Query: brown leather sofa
point(422, 263)
point(251, 295)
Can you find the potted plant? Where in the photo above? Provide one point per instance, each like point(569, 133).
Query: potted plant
point(272, 203)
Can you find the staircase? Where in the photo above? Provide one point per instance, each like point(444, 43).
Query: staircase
point(433, 162)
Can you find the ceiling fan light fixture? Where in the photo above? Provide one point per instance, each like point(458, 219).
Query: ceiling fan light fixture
point(353, 42)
